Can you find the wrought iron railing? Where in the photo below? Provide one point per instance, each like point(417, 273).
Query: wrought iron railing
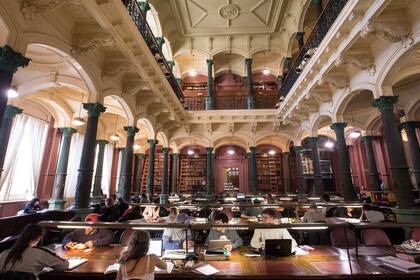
point(133, 8)
point(323, 25)
point(230, 102)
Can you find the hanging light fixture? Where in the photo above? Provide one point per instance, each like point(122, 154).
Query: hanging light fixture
point(115, 136)
point(190, 152)
point(329, 144)
point(231, 152)
point(266, 71)
point(271, 152)
point(12, 92)
point(193, 72)
point(79, 121)
point(136, 146)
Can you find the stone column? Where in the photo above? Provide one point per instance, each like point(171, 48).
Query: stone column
point(57, 200)
point(413, 143)
point(371, 161)
point(139, 173)
point(286, 169)
point(344, 162)
point(97, 182)
point(127, 164)
point(174, 176)
point(6, 128)
point(84, 179)
point(318, 188)
point(209, 171)
point(209, 97)
point(299, 38)
point(145, 7)
point(252, 171)
point(165, 178)
point(150, 183)
point(300, 179)
point(10, 61)
point(249, 83)
point(397, 161)
point(318, 6)
point(160, 41)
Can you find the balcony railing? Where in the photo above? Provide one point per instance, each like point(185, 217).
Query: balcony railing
point(231, 102)
point(139, 19)
point(325, 21)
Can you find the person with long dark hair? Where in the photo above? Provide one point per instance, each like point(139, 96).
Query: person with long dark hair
point(135, 263)
point(32, 206)
point(25, 256)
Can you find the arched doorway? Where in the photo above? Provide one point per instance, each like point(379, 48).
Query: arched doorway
point(231, 170)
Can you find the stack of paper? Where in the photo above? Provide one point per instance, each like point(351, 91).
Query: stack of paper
point(399, 264)
point(206, 269)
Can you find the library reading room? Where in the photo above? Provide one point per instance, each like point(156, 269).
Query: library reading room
point(209, 139)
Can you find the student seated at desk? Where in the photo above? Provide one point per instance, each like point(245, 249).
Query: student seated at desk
point(151, 213)
point(25, 256)
point(252, 212)
point(371, 215)
point(313, 215)
point(260, 235)
point(220, 217)
point(135, 262)
point(89, 237)
point(32, 206)
point(174, 238)
point(131, 214)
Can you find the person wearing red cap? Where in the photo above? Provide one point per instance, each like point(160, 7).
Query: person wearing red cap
point(89, 237)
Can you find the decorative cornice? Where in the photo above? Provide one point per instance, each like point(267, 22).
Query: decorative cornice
point(30, 8)
point(10, 60)
point(385, 102)
point(359, 62)
point(94, 109)
point(386, 31)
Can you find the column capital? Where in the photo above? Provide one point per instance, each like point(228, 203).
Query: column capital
point(10, 60)
point(67, 131)
point(101, 142)
point(369, 137)
point(94, 109)
point(209, 62)
point(171, 63)
point(410, 125)
point(152, 142)
point(131, 130)
point(140, 155)
point(297, 149)
point(252, 149)
point(280, 78)
point(144, 6)
point(286, 154)
point(385, 102)
point(288, 60)
point(121, 149)
point(248, 60)
point(165, 150)
point(338, 126)
point(11, 111)
point(313, 140)
point(209, 149)
point(299, 35)
point(160, 41)
point(175, 155)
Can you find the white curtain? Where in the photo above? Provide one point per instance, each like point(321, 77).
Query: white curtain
point(23, 158)
point(73, 164)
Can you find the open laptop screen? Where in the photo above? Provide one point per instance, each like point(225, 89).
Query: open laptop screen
point(155, 247)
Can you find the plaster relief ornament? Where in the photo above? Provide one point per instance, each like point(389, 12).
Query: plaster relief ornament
point(30, 8)
point(229, 11)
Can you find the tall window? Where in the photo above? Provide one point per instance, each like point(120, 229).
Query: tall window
point(23, 158)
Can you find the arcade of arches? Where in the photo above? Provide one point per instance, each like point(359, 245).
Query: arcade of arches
point(122, 97)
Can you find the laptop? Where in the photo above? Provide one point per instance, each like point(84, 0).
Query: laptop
point(218, 244)
point(278, 248)
point(156, 247)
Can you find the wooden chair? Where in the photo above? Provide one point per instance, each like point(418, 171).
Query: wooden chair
point(375, 237)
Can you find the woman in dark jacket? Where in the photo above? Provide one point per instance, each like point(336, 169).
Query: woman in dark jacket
point(32, 206)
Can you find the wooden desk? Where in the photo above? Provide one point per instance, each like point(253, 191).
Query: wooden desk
point(324, 262)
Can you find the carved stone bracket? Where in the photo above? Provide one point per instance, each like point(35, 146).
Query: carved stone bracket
point(386, 31)
point(253, 127)
point(359, 62)
point(87, 43)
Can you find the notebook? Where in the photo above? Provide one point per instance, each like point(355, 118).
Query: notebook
point(400, 264)
point(75, 262)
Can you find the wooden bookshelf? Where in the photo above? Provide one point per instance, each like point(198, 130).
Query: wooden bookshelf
point(158, 173)
point(192, 177)
point(269, 175)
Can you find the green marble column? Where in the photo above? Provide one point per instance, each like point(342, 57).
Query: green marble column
point(10, 61)
point(97, 182)
point(174, 175)
point(127, 165)
point(165, 178)
point(346, 181)
point(121, 158)
point(209, 97)
point(371, 161)
point(413, 144)
point(252, 171)
point(6, 128)
point(145, 7)
point(84, 179)
point(318, 188)
point(393, 142)
point(209, 171)
point(288, 185)
point(299, 37)
point(57, 200)
point(249, 83)
point(139, 173)
point(300, 179)
point(150, 183)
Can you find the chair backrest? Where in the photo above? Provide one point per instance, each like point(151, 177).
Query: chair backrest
point(415, 234)
point(125, 236)
point(16, 275)
point(338, 237)
point(375, 237)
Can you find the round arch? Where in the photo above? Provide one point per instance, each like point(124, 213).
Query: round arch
point(162, 139)
point(318, 122)
point(111, 99)
point(231, 140)
point(193, 139)
point(149, 127)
